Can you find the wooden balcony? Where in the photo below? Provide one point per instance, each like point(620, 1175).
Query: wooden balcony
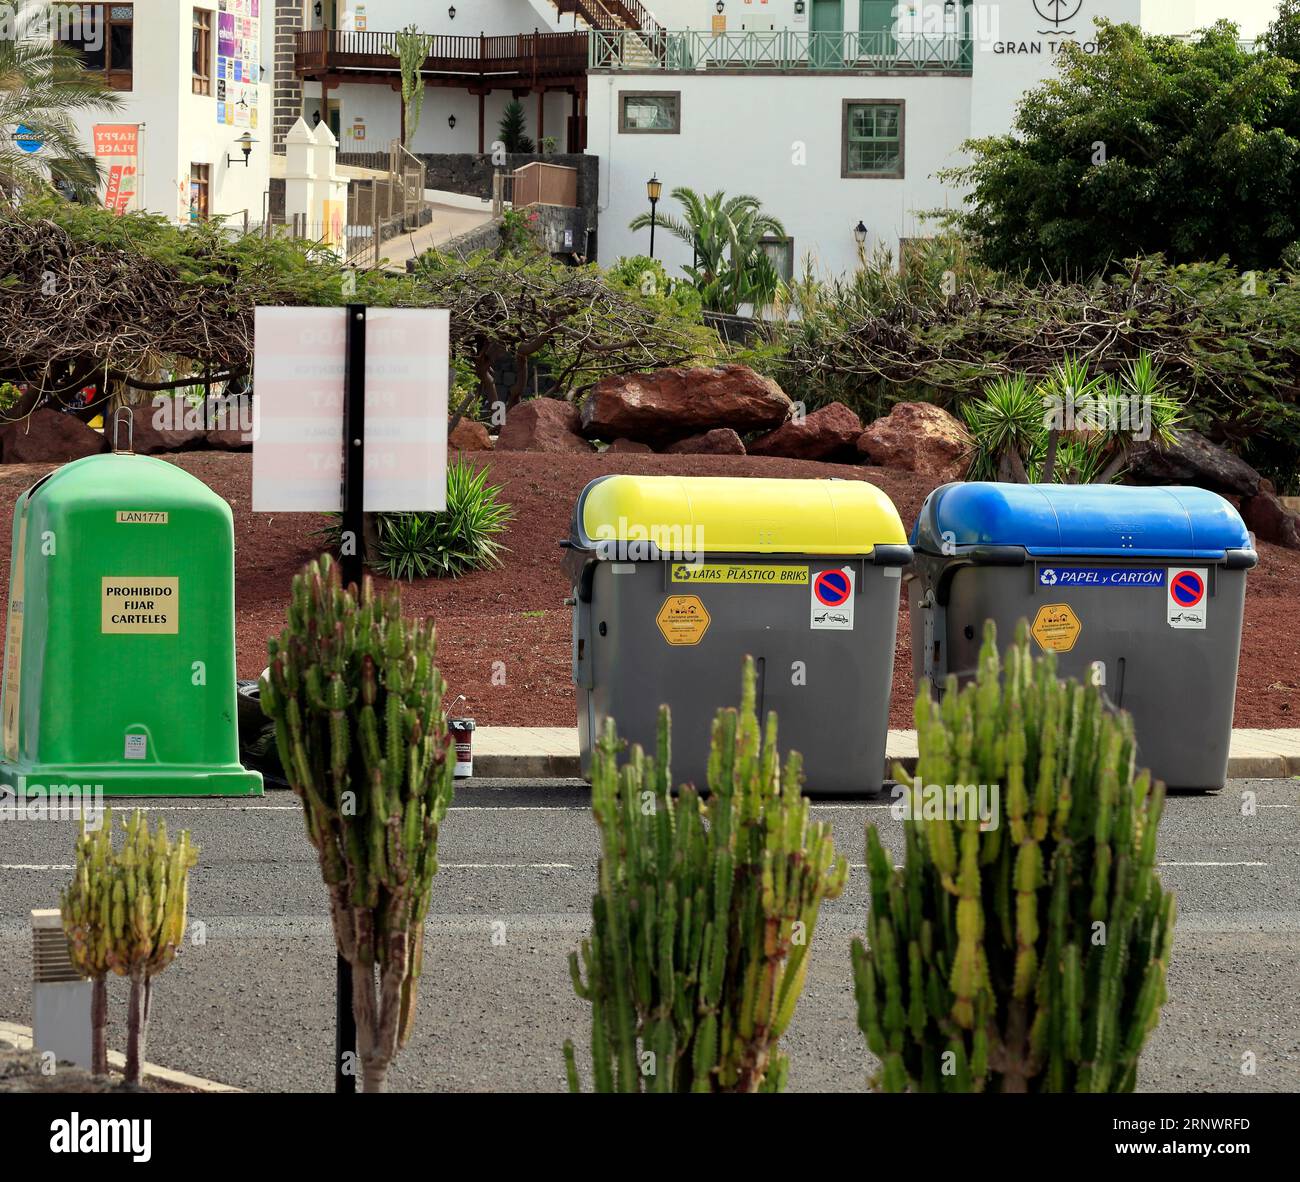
point(520, 60)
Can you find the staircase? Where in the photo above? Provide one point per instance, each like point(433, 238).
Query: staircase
point(643, 48)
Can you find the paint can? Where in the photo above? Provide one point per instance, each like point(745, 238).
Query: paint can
point(462, 735)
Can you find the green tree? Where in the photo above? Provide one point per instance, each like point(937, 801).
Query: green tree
point(731, 268)
point(513, 128)
point(412, 48)
point(42, 88)
point(1151, 144)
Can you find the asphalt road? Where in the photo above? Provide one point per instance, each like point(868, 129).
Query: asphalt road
point(253, 1005)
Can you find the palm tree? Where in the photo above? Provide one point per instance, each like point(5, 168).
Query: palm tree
point(731, 268)
point(42, 86)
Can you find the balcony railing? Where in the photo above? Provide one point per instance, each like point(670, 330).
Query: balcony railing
point(524, 55)
point(779, 49)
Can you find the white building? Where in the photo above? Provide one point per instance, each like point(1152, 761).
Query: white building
point(836, 116)
point(834, 113)
point(193, 81)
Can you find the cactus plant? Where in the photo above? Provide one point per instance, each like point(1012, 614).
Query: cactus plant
point(1029, 955)
point(704, 915)
point(357, 705)
point(124, 912)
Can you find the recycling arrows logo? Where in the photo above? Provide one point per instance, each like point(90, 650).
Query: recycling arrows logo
point(1048, 578)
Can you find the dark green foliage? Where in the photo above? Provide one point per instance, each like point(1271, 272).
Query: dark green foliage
point(704, 915)
point(1228, 342)
point(1029, 956)
point(1149, 145)
point(357, 704)
point(513, 129)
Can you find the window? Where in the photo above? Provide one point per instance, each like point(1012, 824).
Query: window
point(873, 139)
point(781, 252)
point(650, 111)
point(200, 175)
point(105, 35)
point(201, 50)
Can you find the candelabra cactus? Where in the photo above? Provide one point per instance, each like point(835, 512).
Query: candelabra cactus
point(124, 912)
point(357, 705)
point(1029, 955)
point(704, 914)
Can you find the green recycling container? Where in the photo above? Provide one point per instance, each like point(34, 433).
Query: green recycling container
point(120, 646)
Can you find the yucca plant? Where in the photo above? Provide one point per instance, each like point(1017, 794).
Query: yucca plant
point(460, 539)
point(1024, 944)
point(1073, 427)
point(463, 537)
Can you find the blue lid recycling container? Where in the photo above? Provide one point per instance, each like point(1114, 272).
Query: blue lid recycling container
point(1141, 590)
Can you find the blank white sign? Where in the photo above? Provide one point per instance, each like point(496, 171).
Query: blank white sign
point(298, 409)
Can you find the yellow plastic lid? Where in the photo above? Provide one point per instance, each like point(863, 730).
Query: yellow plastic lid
point(740, 515)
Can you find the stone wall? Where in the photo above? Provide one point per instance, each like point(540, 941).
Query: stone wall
point(286, 97)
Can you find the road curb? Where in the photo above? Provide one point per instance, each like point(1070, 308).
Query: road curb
point(21, 1037)
point(538, 766)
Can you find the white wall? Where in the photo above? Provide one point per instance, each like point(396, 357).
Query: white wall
point(181, 127)
point(493, 17)
point(792, 165)
point(1252, 17)
point(380, 107)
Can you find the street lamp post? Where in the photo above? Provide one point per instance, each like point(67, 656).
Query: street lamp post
point(653, 187)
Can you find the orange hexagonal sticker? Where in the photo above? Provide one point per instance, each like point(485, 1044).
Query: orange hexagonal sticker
point(1056, 627)
point(683, 619)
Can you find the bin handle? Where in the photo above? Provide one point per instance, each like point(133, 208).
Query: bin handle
point(130, 429)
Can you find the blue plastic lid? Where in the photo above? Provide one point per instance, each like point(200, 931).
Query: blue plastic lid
point(1055, 519)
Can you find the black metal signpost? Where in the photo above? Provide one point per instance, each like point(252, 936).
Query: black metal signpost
point(351, 568)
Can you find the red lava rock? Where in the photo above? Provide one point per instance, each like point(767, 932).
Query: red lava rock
point(828, 433)
point(1271, 520)
point(160, 424)
point(629, 447)
point(721, 441)
point(229, 440)
point(469, 436)
point(542, 424)
point(674, 403)
point(49, 436)
point(922, 438)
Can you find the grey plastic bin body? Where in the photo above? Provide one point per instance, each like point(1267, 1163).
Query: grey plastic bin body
point(1126, 564)
point(829, 686)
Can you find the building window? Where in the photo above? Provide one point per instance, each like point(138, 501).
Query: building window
point(105, 35)
point(650, 111)
point(781, 252)
point(200, 175)
point(201, 51)
point(873, 140)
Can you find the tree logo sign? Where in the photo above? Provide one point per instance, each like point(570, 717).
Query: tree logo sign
point(1057, 12)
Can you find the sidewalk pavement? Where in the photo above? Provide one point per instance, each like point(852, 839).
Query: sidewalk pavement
point(551, 752)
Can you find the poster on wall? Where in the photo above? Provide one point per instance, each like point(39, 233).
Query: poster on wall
point(239, 39)
point(117, 149)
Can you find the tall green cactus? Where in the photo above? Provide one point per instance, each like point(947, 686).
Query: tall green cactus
point(1030, 955)
point(704, 913)
point(124, 912)
point(357, 705)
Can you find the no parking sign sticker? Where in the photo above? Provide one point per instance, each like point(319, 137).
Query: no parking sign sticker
point(832, 599)
point(1185, 603)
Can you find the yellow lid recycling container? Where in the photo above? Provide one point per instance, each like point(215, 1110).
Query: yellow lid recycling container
point(677, 579)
